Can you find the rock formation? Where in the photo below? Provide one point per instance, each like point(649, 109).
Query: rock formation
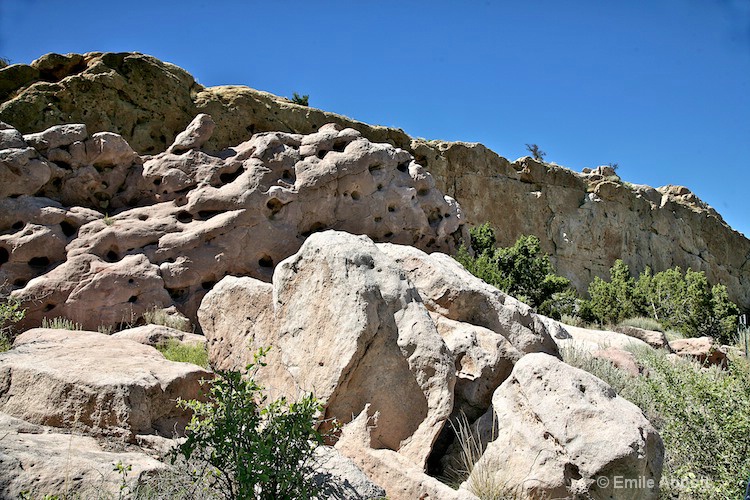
point(182, 220)
point(585, 221)
point(395, 342)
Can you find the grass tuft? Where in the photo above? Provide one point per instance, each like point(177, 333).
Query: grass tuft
point(194, 353)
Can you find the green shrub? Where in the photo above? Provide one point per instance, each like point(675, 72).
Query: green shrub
point(643, 323)
point(302, 100)
point(10, 313)
point(701, 414)
point(251, 447)
point(521, 270)
point(194, 353)
point(680, 301)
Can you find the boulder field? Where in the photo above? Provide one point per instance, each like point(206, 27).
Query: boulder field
point(584, 220)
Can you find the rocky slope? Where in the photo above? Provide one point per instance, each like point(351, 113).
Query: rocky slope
point(185, 219)
point(585, 221)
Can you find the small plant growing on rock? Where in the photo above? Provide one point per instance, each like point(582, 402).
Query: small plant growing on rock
point(536, 152)
point(61, 323)
point(302, 100)
point(252, 447)
point(10, 313)
point(174, 350)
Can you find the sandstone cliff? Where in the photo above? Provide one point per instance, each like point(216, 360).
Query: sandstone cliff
point(585, 221)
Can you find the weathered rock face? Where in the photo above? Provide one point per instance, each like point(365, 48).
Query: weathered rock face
point(91, 382)
point(184, 219)
point(585, 221)
point(349, 326)
point(558, 429)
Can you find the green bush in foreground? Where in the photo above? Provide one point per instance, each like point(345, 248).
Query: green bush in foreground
point(174, 350)
point(521, 270)
point(701, 414)
point(252, 448)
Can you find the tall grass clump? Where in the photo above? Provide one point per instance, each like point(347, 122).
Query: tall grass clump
point(61, 323)
point(643, 323)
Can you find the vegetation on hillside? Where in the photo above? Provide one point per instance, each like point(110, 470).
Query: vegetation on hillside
point(175, 350)
point(700, 413)
point(10, 313)
point(522, 270)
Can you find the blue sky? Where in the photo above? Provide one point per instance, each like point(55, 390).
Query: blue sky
point(661, 87)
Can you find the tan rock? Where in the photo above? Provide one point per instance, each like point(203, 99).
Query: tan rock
point(155, 335)
point(449, 290)
point(91, 382)
point(559, 429)
point(39, 461)
point(401, 479)
point(590, 340)
point(702, 349)
point(346, 324)
point(195, 135)
point(621, 359)
point(657, 340)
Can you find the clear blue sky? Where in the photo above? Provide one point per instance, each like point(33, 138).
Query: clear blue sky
point(661, 87)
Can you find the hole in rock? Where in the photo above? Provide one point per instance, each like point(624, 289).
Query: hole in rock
point(4, 256)
point(207, 214)
point(68, 228)
point(434, 217)
point(48, 307)
point(375, 168)
point(265, 261)
point(423, 192)
point(431, 242)
point(177, 294)
point(275, 206)
point(143, 217)
point(39, 262)
point(20, 283)
point(403, 167)
point(316, 227)
point(380, 187)
point(287, 175)
point(18, 225)
point(355, 195)
point(339, 146)
point(57, 183)
point(112, 256)
point(388, 235)
point(322, 153)
point(391, 208)
point(422, 160)
point(184, 216)
point(157, 182)
point(133, 299)
point(131, 281)
point(378, 219)
point(207, 285)
point(228, 177)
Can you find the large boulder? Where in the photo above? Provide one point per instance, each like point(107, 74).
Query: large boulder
point(348, 325)
point(91, 382)
point(560, 432)
point(704, 350)
point(657, 340)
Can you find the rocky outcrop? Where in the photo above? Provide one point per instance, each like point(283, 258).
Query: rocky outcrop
point(93, 383)
point(702, 349)
point(657, 340)
point(41, 461)
point(183, 219)
point(585, 221)
point(562, 433)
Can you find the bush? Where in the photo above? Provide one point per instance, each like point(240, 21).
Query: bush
point(10, 313)
point(701, 414)
point(680, 301)
point(302, 100)
point(521, 270)
point(252, 448)
point(174, 350)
